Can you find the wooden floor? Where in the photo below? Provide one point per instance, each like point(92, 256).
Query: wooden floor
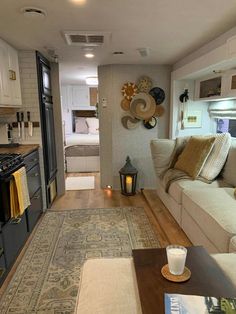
point(167, 230)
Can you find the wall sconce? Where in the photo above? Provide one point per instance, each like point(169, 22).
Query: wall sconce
point(128, 178)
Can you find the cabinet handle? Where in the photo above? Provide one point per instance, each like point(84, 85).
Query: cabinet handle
point(34, 160)
point(1, 251)
point(36, 197)
point(34, 174)
point(15, 221)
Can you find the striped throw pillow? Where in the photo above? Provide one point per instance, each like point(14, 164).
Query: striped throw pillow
point(217, 157)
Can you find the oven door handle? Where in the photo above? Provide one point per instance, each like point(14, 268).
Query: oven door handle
point(15, 221)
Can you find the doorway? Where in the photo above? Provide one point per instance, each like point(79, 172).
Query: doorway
point(81, 135)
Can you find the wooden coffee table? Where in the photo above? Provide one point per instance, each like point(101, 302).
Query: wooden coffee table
point(207, 278)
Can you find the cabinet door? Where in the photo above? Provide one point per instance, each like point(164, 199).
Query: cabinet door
point(5, 90)
point(50, 147)
point(80, 96)
point(15, 80)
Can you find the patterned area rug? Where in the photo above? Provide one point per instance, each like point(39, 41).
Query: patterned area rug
point(47, 278)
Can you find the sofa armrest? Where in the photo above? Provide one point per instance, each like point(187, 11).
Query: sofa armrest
point(161, 150)
point(232, 245)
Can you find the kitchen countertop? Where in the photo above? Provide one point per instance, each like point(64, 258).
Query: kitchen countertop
point(21, 149)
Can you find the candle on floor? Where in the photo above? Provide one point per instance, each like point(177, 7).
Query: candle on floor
point(176, 256)
point(128, 184)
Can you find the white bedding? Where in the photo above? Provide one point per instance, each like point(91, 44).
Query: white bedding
point(82, 139)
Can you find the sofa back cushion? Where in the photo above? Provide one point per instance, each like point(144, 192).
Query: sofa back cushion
point(229, 171)
point(194, 155)
point(217, 157)
point(161, 150)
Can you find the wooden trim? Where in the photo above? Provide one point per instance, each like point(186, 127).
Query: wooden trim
point(35, 124)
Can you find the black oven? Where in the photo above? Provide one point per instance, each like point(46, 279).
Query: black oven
point(9, 163)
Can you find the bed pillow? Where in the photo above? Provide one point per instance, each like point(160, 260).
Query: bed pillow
point(81, 126)
point(194, 155)
point(93, 125)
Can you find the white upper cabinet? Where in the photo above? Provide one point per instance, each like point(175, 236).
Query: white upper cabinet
point(10, 91)
point(216, 87)
point(80, 96)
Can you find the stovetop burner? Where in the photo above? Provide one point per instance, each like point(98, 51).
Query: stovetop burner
point(9, 162)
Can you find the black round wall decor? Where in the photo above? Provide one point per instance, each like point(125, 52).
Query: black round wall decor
point(150, 124)
point(158, 94)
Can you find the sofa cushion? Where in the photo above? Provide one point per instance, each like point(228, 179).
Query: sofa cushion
point(177, 187)
point(194, 155)
point(229, 172)
point(214, 210)
point(217, 156)
point(108, 285)
point(227, 263)
point(161, 150)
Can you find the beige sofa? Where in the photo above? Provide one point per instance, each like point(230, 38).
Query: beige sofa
point(206, 212)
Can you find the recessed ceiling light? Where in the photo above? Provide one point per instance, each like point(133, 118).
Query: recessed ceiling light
point(78, 1)
point(32, 12)
point(89, 55)
point(92, 80)
point(118, 53)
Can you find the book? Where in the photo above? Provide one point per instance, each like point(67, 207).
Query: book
point(193, 304)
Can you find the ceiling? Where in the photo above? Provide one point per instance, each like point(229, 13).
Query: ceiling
point(170, 28)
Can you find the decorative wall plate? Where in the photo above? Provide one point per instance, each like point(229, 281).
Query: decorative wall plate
point(159, 111)
point(129, 122)
point(144, 84)
point(158, 94)
point(129, 90)
point(150, 124)
point(125, 104)
point(143, 106)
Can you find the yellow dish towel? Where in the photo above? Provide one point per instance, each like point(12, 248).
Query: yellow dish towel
point(19, 193)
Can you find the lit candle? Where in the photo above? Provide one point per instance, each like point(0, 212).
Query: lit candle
point(176, 256)
point(129, 184)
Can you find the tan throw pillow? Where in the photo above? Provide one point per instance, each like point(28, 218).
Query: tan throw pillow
point(194, 155)
point(217, 157)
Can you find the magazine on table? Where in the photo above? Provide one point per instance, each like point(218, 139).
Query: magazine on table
point(193, 304)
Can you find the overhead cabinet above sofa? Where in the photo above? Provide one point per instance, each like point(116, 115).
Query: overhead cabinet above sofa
point(10, 90)
point(216, 87)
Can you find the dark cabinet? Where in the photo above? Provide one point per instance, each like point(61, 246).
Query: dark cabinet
point(34, 180)
point(50, 151)
point(48, 130)
point(14, 235)
point(34, 211)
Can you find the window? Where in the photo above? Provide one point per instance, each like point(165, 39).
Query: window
point(226, 125)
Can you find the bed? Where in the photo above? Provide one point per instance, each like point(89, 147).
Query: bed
point(82, 149)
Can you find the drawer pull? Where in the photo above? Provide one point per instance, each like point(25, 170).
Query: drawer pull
point(15, 221)
point(35, 174)
point(34, 160)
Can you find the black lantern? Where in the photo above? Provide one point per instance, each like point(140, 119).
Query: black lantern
point(128, 178)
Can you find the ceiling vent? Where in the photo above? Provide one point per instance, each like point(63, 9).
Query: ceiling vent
point(33, 12)
point(86, 39)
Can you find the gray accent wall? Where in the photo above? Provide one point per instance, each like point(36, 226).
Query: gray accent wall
point(116, 142)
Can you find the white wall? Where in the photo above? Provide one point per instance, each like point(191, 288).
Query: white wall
point(118, 142)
